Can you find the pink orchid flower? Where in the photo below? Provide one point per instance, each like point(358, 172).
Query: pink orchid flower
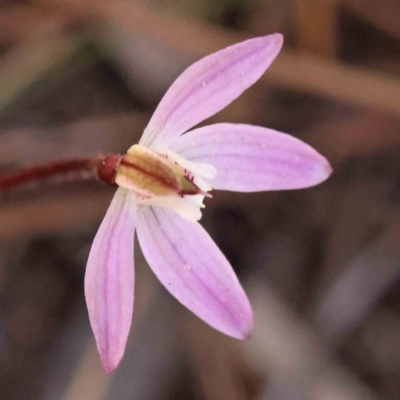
point(162, 183)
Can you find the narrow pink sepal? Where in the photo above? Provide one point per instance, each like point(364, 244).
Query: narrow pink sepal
point(109, 280)
point(251, 158)
point(190, 265)
point(208, 86)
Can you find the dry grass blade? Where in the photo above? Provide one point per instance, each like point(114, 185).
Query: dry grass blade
point(64, 213)
point(361, 284)
point(316, 26)
point(378, 13)
point(32, 61)
point(217, 374)
point(292, 70)
point(86, 137)
point(287, 349)
point(31, 22)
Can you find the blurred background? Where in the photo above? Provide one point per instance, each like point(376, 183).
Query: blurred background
point(321, 266)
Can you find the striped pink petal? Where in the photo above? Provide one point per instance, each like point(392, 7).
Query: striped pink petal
point(208, 86)
point(251, 158)
point(109, 280)
point(192, 268)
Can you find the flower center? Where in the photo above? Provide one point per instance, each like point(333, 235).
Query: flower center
point(163, 178)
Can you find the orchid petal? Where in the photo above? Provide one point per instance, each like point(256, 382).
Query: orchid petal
point(192, 268)
point(208, 86)
point(187, 207)
point(109, 280)
point(251, 158)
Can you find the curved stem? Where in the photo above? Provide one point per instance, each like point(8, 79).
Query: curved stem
point(99, 168)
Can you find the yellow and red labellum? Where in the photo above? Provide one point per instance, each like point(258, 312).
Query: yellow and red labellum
point(149, 174)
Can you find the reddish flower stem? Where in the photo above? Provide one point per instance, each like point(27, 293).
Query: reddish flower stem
point(100, 168)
